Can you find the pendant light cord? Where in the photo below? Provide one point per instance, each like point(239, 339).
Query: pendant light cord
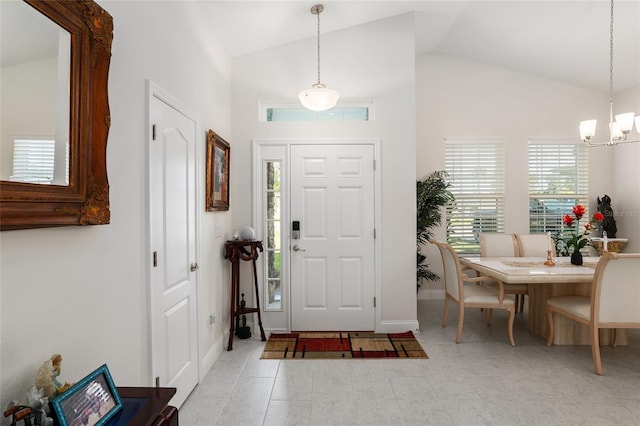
point(318, 13)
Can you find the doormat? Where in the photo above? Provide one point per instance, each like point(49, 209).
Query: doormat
point(339, 345)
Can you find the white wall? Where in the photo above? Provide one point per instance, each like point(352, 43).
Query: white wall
point(457, 98)
point(82, 291)
point(374, 61)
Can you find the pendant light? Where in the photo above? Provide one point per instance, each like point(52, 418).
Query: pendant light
point(622, 126)
point(318, 98)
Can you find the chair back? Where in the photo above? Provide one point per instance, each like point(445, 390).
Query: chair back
point(452, 270)
point(616, 289)
point(498, 245)
point(534, 245)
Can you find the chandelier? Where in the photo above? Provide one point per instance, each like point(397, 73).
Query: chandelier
point(623, 124)
point(318, 98)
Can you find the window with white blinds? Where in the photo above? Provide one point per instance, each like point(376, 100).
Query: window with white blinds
point(476, 173)
point(558, 180)
point(33, 160)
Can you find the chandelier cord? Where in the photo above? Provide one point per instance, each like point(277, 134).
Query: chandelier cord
point(611, 56)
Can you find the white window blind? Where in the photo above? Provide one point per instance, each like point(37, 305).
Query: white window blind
point(558, 180)
point(476, 173)
point(33, 160)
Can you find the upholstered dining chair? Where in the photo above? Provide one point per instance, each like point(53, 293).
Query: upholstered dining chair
point(504, 245)
point(614, 301)
point(462, 290)
point(534, 245)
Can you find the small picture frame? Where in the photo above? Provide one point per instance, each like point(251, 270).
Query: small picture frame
point(90, 402)
point(218, 162)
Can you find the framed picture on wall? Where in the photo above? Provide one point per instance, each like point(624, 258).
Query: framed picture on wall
point(218, 162)
point(92, 401)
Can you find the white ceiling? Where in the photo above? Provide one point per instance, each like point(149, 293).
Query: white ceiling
point(561, 40)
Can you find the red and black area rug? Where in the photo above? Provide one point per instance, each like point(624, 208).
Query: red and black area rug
point(337, 345)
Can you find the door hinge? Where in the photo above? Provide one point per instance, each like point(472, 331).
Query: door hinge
point(374, 301)
point(155, 259)
point(374, 233)
point(153, 132)
point(374, 165)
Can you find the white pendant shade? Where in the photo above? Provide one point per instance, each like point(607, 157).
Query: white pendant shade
point(319, 98)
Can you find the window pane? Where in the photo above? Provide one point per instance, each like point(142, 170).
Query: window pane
point(476, 174)
point(558, 180)
point(337, 113)
point(273, 175)
point(273, 205)
point(274, 296)
point(273, 264)
point(273, 234)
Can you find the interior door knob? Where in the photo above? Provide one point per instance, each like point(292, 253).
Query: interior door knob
point(298, 248)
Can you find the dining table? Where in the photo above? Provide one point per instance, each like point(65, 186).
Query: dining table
point(544, 281)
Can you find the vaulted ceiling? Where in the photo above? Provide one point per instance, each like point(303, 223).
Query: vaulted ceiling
point(561, 40)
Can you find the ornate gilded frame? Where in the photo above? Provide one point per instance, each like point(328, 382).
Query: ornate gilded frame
point(218, 163)
point(85, 201)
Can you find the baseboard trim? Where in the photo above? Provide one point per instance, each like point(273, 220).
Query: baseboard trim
point(211, 356)
point(398, 326)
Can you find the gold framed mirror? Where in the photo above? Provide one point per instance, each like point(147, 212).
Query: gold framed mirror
point(80, 194)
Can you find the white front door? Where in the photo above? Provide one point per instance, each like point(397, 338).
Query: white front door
point(332, 263)
point(172, 164)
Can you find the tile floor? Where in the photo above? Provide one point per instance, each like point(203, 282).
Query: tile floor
point(481, 381)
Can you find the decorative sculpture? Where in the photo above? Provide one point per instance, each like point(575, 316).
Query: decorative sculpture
point(46, 377)
point(609, 223)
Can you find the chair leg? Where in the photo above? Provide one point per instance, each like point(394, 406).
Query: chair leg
point(595, 348)
point(460, 322)
point(614, 337)
point(488, 316)
point(446, 310)
point(512, 314)
point(550, 326)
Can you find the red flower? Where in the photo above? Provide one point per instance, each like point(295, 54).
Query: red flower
point(598, 216)
point(579, 211)
point(567, 220)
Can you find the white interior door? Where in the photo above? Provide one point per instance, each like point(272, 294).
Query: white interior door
point(332, 263)
point(172, 165)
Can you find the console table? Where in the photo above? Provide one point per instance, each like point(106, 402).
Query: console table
point(143, 406)
point(235, 251)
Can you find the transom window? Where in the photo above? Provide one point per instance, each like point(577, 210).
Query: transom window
point(360, 111)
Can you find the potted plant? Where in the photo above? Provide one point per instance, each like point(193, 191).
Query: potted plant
point(432, 193)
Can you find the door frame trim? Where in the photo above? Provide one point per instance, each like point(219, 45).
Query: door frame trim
point(155, 91)
point(377, 202)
